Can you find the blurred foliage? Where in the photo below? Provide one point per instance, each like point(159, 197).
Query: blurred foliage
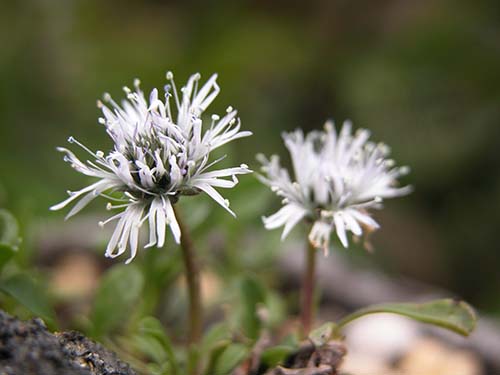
point(422, 75)
point(21, 292)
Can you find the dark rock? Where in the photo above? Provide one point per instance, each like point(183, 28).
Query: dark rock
point(27, 348)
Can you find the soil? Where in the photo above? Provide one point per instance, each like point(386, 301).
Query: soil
point(27, 348)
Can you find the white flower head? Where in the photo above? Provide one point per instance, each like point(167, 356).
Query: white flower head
point(160, 153)
point(337, 178)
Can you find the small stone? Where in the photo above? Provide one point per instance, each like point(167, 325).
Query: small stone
point(27, 348)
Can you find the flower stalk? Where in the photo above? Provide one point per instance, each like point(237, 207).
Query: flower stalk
point(307, 292)
point(338, 178)
point(192, 272)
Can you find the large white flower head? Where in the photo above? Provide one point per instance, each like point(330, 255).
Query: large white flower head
point(338, 177)
point(160, 153)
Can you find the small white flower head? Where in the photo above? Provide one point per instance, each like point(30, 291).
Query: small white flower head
point(160, 153)
point(337, 178)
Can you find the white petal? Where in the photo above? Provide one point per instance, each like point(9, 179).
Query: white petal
point(174, 225)
point(215, 196)
point(364, 218)
point(75, 195)
point(155, 204)
point(297, 215)
point(352, 224)
point(115, 237)
point(160, 226)
point(134, 240)
point(203, 98)
point(225, 172)
point(340, 229)
point(319, 236)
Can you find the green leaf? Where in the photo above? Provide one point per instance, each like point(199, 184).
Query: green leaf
point(213, 343)
point(150, 347)
point(119, 290)
point(31, 295)
point(9, 236)
point(152, 330)
point(276, 310)
point(156, 369)
point(6, 253)
point(232, 355)
point(217, 333)
point(252, 294)
point(217, 337)
point(9, 229)
point(276, 355)
point(214, 355)
point(193, 359)
point(456, 316)
point(321, 335)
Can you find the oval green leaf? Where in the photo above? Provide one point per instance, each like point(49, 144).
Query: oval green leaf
point(456, 316)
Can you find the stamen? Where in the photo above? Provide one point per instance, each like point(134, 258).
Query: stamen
point(170, 77)
point(328, 126)
point(196, 78)
point(383, 148)
point(103, 223)
point(73, 140)
point(107, 196)
point(404, 170)
point(390, 163)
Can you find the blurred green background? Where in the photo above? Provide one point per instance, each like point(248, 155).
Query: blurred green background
point(424, 76)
